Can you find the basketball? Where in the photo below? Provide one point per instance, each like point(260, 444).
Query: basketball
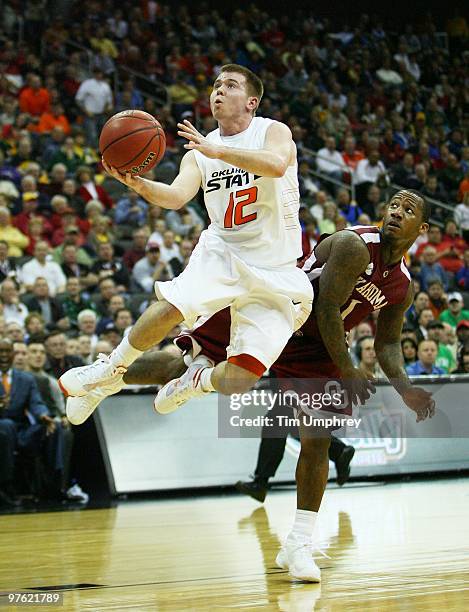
point(132, 141)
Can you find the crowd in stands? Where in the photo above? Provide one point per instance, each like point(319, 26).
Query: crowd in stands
point(368, 106)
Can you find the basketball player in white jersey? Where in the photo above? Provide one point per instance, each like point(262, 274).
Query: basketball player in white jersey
point(246, 259)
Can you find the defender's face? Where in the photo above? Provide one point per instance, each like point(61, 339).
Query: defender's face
point(229, 97)
point(403, 217)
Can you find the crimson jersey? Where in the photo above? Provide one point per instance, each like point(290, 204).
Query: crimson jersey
point(305, 355)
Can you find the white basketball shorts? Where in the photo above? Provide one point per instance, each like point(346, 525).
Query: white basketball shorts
point(267, 305)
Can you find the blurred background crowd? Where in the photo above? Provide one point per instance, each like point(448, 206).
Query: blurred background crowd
point(371, 108)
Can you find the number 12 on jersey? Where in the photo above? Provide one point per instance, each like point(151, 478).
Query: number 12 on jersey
point(234, 212)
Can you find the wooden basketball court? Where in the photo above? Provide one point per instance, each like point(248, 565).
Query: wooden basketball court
point(391, 547)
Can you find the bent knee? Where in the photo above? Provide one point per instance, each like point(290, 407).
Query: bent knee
point(315, 447)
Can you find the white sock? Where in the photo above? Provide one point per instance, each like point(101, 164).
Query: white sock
point(303, 527)
point(124, 354)
point(206, 380)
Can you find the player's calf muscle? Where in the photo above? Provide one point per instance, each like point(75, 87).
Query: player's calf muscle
point(228, 378)
point(154, 368)
point(154, 325)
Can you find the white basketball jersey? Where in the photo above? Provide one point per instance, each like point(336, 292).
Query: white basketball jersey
point(257, 217)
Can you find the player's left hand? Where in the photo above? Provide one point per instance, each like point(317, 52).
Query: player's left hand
point(420, 401)
point(197, 142)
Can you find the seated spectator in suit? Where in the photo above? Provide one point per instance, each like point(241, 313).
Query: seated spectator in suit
point(49, 307)
point(425, 365)
point(13, 309)
point(8, 267)
point(54, 400)
point(108, 266)
point(20, 356)
point(58, 361)
point(462, 275)
point(71, 267)
point(31, 429)
point(426, 315)
point(41, 266)
point(72, 301)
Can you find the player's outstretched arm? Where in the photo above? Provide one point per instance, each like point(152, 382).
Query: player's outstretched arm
point(184, 187)
point(272, 160)
point(346, 259)
point(389, 354)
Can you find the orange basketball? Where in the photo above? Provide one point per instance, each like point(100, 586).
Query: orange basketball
point(132, 141)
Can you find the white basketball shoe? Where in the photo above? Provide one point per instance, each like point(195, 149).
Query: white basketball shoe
point(179, 390)
point(296, 557)
point(77, 382)
point(78, 409)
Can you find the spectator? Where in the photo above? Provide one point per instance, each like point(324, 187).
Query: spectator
point(58, 361)
point(455, 311)
point(100, 233)
point(13, 309)
point(351, 155)
point(94, 97)
point(87, 322)
point(366, 358)
point(123, 320)
point(424, 319)
point(131, 210)
point(49, 307)
point(181, 221)
point(444, 359)
point(72, 237)
point(425, 366)
point(8, 267)
point(107, 288)
point(35, 326)
point(437, 297)
point(461, 216)
point(369, 171)
point(14, 331)
point(15, 239)
point(451, 177)
point(328, 223)
point(108, 266)
point(31, 429)
point(34, 99)
point(409, 351)
point(115, 303)
point(149, 269)
point(84, 349)
point(40, 266)
point(73, 301)
point(450, 257)
point(462, 333)
point(462, 275)
point(137, 250)
point(169, 249)
point(54, 400)
point(71, 267)
point(54, 118)
point(347, 208)
point(20, 356)
point(463, 364)
point(330, 161)
point(431, 270)
point(89, 190)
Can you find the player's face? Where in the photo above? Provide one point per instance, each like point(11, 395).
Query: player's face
point(403, 217)
point(229, 97)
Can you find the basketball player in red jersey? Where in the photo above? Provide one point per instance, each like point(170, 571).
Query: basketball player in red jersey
point(353, 272)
